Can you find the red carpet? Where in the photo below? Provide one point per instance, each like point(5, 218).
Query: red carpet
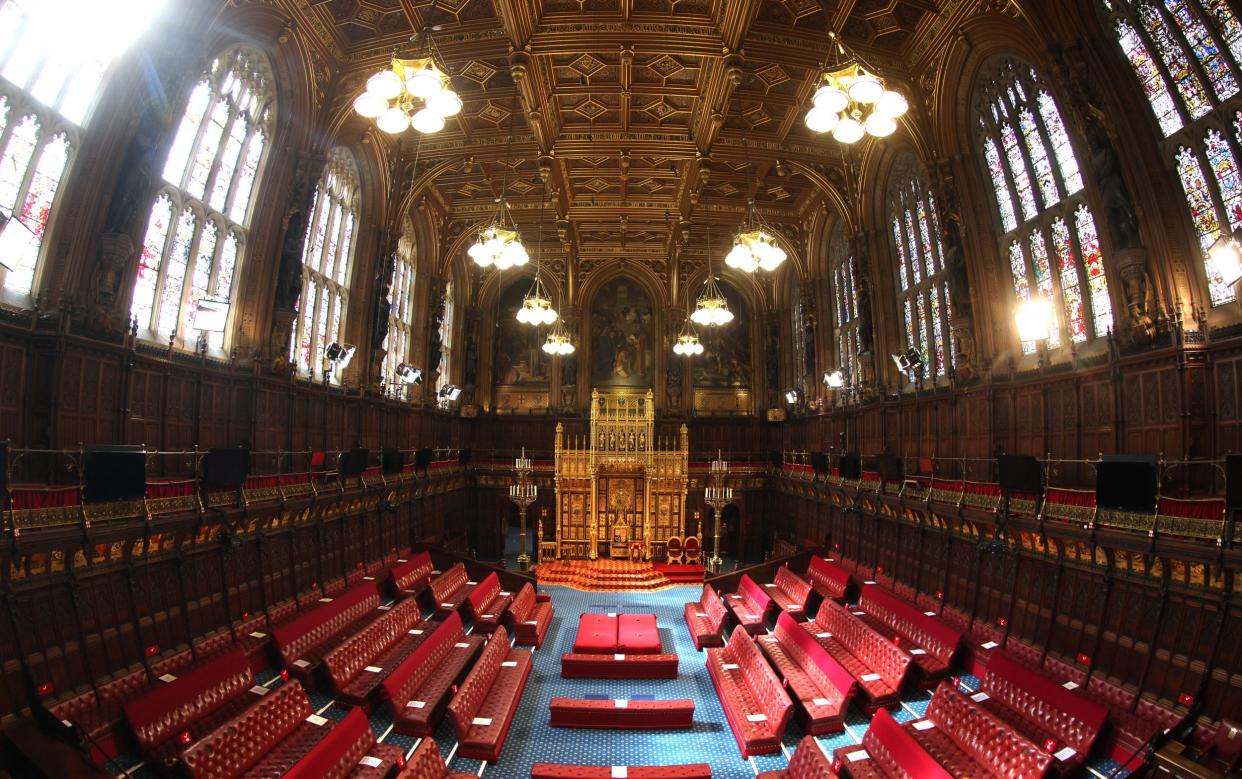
point(599, 575)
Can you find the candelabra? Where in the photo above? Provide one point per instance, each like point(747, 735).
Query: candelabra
point(523, 493)
point(717, 496)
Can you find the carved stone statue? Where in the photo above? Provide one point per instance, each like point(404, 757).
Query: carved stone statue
point(434, 341)
point(862, 293)
point(289, 276)
point(383, 288)
point(1119, 216)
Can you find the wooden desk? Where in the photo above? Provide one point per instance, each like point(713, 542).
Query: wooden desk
point(1170, 761)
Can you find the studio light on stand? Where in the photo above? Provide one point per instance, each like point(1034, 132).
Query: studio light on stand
point(407, 374)
point(834, 380)
point(1034, 321)
point(210, 316)
point(1225, 257)
point(337, 358)
point(16, 238)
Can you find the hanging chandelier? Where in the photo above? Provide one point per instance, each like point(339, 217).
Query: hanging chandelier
point(536, 307)
point(558, 341)
point(754, 246)
point(712, 308)
point(499, 243)
point(852, 101)
point(688, 343)
point(410, 93)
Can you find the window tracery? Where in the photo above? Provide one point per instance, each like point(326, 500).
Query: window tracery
point(923, 286)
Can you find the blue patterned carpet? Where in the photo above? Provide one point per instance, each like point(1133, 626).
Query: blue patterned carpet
point(531, 739)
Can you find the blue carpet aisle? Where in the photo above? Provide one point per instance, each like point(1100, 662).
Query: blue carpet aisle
point(532, 740)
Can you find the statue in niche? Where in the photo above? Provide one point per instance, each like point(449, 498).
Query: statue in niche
point(383, 304)
point(289, 275)
point(470, 322)
point(435, 341)
point(862, 292)
point(1106, 168)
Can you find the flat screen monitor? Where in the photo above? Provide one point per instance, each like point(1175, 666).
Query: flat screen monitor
point(1126, 483)
point(4, 467)
point(819, 461)
point(392, 461)
point(1019, 473)
point(113, 473)
point(891, 468)
point(226, 467)
point(850, 465)
point(354, 462)
point(777, 459)
point(422, 458)
point(1233, 481)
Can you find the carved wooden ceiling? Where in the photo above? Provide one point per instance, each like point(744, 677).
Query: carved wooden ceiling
point(649, 118)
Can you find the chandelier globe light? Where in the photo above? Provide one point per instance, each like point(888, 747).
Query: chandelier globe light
point(536, 309)
point(852, 101)
point(712, 307)
point(558, 342)
point(688, 343)
point(410, 93)
point(754, 246)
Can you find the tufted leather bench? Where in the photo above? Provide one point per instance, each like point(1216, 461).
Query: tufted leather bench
point(487, 604)
point(234, 747)
point(484, 705)
point(355, 657)
point(304, 641)
point(349, 750)
point(426, 763)
point(621, 714)
point(887, 750)
point(705, 618)
point(749, 605)
point(555, 771)
point(808, 762)
point(450, 589)
point(1041, 710)
point(753, 699)
point(171, 716)
point(931, 643)
point(872, 659)
point(618, 666)
point(822, 687)
point(790, 592)
point(97, 711)
point(418, 689)
point(411, 576)
point(969, 741)
point(829, 580)
point(531, 617)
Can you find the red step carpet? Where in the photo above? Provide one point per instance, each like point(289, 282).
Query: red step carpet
point(617, 575)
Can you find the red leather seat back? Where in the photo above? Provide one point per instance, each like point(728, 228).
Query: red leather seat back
point(753, 595)
point(165, 711)
point(338, 753)
point(348, 659)
point(408, 677)
point(478, 683)
point(829, 579)
point(240, 743)
point(483, 593)
point(448, 582)
point(896, 751)
point(412, 571)
point(425, 763)
point(809, 653)
point(1073, 719)
point(877, 651)
point(809, 761)
point(523, 603)
point(792, 585)
point(931, 634)
point(988, 740)
point(765, 686)
point(308, 630)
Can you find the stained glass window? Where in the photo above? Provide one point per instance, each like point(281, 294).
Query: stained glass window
point(845, 299)
point(400, 310)
point(223, 129)
point(1152, 80)
point(53, 60)
point(327, 257)
point(1093, 263)
point(920, 261)
point(1221, 161)
point(1044, 257)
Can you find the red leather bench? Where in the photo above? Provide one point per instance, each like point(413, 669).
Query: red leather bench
point(363, 688)
point(808, 762)
point(621, 714)
point(349, 750)
point(304, 641)
point(872, 659)
point(597, 634)
point(450, 589)
point(171, 716)
point(484, 705)
point(355, 657)
point(822, 687)
point(487, 603)
point(887, 750)
point(1132, 719)
point(829, 580)
point(426, 763)
point(705, 618)
point(637, 634)
point(931, 643)
point(556, 771)
point(969, 741)
point(618, 666)
point(412, 575)
point(240, 743)
point(1066, 724)
point(753, 699)
point(98, 711)
point(531, 617)
point(418, 690)
point(749, 605)
point(790, 592)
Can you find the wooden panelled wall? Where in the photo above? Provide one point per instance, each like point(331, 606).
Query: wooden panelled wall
point(1163, 618)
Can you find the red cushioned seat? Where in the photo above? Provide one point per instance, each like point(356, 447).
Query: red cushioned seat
point(450, 589)
point(822, 687)
point(637, 635)
point(531, 617)
point(354, 657)
point(270, 735)
point(412, 575)
point(426, 763)
point(418, 690)
point(304, 640)
point(347, 750)
point(621, 714)
point(618, 666)
point(597, 634)
point(808, 762)
point(872, 659)
point(887, 750)
point(487, 604)
point(556, 771)
point(828, 579)
point(749, 605)
point(790, 592)
point(932, 644)
point(753, 699)
point(486, 701)
point(705, 618)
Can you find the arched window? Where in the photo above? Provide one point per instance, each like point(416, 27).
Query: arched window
point(844, 301)
point(446, 340)
point(196, 234)
point(400, 310)
point(923, 287)
point(327, 257)
point(1049, 237)
point(1187, 55)
point(52, 65)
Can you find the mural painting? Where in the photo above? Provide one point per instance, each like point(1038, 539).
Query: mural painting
point(520, 360)
point(725, 362)
point(622, 336)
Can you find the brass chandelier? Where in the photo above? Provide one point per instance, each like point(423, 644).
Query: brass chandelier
point(410, 93)
point(711, 309)
point(754, 246)
point(852, 101)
